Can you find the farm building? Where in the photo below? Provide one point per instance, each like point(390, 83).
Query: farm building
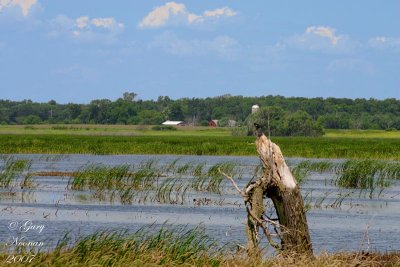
point(174, 123)
point(213, 123)
point(255, 108)
point(231, 123)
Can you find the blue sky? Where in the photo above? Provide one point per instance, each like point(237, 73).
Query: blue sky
point(76, 51)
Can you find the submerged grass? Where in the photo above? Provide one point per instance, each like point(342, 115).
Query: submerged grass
point(368, 174)
point(356, 174)
point(167, 183)
point(15, 171)
point(309, 147)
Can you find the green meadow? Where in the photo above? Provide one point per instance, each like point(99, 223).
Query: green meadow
point(121, 139)
point(111, 130)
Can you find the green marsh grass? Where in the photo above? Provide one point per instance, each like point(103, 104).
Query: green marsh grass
point(15, 170)
point(169, 183)
point(332, 199)
point(368, 174)
point(211, 180)
point(145, 247)
point(172, 191)
point(182, 247)
point(308, 147)
point(303, 169)
point(365, 175)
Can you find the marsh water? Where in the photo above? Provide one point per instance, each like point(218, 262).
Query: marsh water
point(339, 219)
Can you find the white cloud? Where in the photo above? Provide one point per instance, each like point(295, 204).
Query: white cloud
point(176, 13)
point(191, 18)
point(108, 23)
point(24, 5)
point(85, 29)
point(223, 46)
point(225, 11)
point(160, 15)
point(324, 39)
point(82, 22)
point(325, 32)
point(383, 42)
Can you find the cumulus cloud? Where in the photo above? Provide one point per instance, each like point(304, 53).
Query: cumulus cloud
point(225, 11)
point(383, 42)
point(222, 46)
point(108, 23)
point(85, 29)
point(24, 5)
point(325, 32)
point(322, 38)
point(176, 13)
point(82, 22)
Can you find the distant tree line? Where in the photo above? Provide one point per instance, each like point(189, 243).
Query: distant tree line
point(316, 113)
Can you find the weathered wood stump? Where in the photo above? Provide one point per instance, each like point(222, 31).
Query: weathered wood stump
point(277, 183)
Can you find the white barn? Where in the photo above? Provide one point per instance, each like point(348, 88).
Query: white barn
point(173, 123)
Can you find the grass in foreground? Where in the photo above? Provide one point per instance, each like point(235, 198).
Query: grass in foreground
point(178, 248)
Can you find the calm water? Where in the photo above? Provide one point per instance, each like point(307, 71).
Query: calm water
point(50, 210)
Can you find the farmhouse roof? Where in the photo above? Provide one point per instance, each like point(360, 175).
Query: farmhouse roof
point(172, 122)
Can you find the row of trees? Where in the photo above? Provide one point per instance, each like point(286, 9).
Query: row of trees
point(275, 121)
point(335, 113)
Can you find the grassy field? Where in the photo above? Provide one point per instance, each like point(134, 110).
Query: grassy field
point(145, 130)
point(361, 134)
point(110, 130)
point(94, 139)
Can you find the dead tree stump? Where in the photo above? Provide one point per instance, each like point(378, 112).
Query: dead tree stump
point(277, 183)
point(280, 185)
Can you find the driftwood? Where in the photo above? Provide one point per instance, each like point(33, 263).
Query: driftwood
point(277, 183)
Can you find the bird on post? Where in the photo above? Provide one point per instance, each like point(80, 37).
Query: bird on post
point(259, 129)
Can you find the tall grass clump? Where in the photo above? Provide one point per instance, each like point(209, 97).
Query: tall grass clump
point(15, 170)
point(99, 177)
point(145, 247)
point(211, 180)
point(103, 179)
point(368, 174)
point(303, 169)
point(172, 190)
point(163, 184)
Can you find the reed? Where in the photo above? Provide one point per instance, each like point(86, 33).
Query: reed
point(368, 174)
point(148, 182)
point(173, 246)
point(358, 174)
point(99, 177)
point(14, 172)
point(172, 191)
point(181, 246)
point(211, 181)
